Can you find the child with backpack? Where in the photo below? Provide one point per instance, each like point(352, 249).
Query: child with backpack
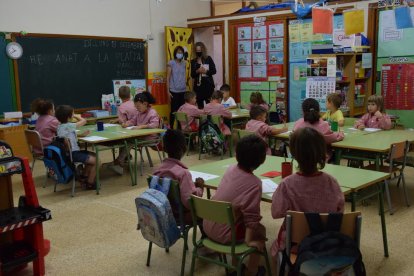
point(66, 129)
point(175, 146)
point(47, 123)
point(216, 108)
point(243, 190)
point(257, 124)
point(308, 190)
point(192, 111)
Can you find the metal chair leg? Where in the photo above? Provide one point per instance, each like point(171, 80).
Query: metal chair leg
point(149, 253)
point(405, 190)
point(149, 157)
point(387, 192)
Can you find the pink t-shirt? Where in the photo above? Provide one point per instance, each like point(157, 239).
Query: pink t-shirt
point(244, 191)
point(323, 127)
point(264, 105)
point(369, 120)
point(262, 129)
point(319, 193)
point(176, 170)
point(149, 117)
point(126, 111)
point(219, 109)
point(192, 112)
point(46, 125)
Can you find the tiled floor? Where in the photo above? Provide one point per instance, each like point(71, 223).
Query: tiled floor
point(96, 234)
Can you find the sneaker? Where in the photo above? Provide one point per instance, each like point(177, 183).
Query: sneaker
point(117, 168)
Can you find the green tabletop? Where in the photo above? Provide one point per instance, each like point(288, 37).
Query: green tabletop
point(350, 179)
point(239, 113)
point(114, 133)
point(93, 119)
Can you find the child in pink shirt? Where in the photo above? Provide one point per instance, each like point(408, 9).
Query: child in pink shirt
point(308, 190)
point(375, 117)
point(192, 111)
point(216, 108)
point(127, 110)
point(256, 98)
point(176, 146)
point(243, 190)
point(311, 118)
point(257, 124)
point(47, 123)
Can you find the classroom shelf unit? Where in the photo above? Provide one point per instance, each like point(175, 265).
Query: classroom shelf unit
point(21, 231)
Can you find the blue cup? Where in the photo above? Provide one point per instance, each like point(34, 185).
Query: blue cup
point(100, 126)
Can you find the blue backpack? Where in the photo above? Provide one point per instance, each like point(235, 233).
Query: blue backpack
point(57, 161)
point(155, 217)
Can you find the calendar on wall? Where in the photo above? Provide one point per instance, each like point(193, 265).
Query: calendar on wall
point(397, 86)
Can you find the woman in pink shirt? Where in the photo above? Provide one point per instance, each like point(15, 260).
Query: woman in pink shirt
point(175, 146)
point(216, 108)
point(243, 190)
point(192, 111)
point(375, 117)
point(47, 123)
point(127, 110)
point(257, 124)
point(308, 190)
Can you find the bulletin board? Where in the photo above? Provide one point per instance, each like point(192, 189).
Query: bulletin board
point(397, 86)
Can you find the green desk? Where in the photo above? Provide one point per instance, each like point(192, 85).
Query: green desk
point(106, 119)
point(351, 180)
point(113, 134)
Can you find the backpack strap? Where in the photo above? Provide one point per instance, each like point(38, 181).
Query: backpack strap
point(314, 223)
point(334, 222)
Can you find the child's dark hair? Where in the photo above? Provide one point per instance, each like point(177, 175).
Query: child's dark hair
point(256, 111)
point(378, 100)
point(310, 108)
point(335, 99)
point(124, 92)
point(144, 97)
point(217, 95)
point(256, 98)
point(177, 49)
point(225, 87)
point(63, 113)
point(308, 147)
point(174, 143)
point(41, 106)
point(251, 152)
point(188, 96)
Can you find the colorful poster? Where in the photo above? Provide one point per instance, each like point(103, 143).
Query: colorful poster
point(245, 59)
point(275, 57)
point(259, 45)
point(136, 86)
point(259, 59)
point(259, 72)
point(276, 30)
point(244, 46)
point(157, 85)
point(259, 32)
point(306, 32)
point(322, 20)
point(341, 39)
point(294, 33)
point(275, 70)
point(321, 67)
point(397, 86)
point(245, 71)
point(244, 33)
point(276, 44)
point(354, 21)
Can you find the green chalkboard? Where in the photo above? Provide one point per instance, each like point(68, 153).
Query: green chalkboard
point(6, 94)
point(76, 70)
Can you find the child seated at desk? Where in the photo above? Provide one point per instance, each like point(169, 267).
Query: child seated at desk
point(216, 108)
point(227, 101)
point(175, 146)
point(308, 190)
point(376, 116)
point(243, 190)
point(192, 111)
point(66, 129)
point(333, 113)
point(257, 124)
point(47, 123)
point(127, 110)
point(256, 98)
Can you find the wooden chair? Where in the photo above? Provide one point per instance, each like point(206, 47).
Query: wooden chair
point(220, 212)
point(175, 199)
point(242, 133)
point(34, 140)
point(181, 117)
point(297, 229)
point(397, 161)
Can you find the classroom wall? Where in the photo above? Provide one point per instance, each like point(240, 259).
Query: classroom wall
point(118, 18)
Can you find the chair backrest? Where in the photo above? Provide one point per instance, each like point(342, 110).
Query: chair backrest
point(216, 119)
point(215, 211)
point(181, 117)
point(242, 133)
point(297, 226)
point(398, 152)
point(34, 140)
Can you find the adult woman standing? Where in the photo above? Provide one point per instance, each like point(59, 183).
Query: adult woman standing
point(176, 81)
point(202, 71)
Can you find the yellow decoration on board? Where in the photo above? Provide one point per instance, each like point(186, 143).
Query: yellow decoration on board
point(354, 22)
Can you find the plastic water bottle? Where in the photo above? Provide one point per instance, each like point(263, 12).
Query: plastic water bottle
point(113, 109)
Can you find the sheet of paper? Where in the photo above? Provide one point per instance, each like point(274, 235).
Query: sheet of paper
point(94, 138)
point(371, 129)
point(287, 132)
point(130, 127)
point(268, 186)
point(205, 176)
point(110, 125)
point(352, 128)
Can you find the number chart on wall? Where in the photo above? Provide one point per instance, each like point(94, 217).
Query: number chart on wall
point(260, 61)
point(398, 85)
